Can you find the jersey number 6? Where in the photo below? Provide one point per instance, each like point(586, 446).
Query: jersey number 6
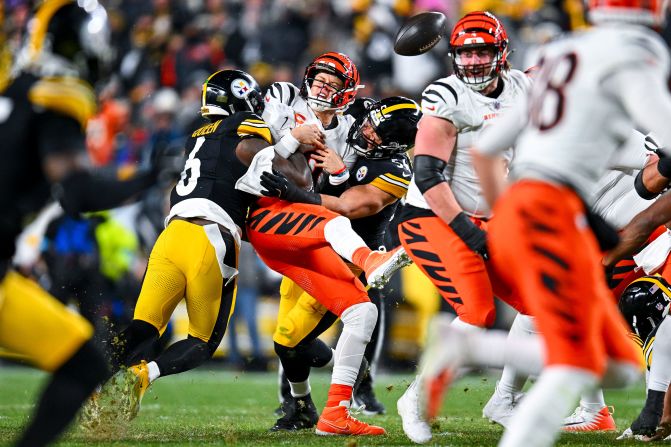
point(191, 171)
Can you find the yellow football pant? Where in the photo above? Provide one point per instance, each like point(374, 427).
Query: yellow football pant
point(37, 325)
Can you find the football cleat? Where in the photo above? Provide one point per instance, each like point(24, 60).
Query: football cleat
point(380, 266)
point(629, 434)
point(364, 397)
point(138, 383)
point(414, 425)
point(499, 409)
point(444, 353)
point(584, 419)
point(338, 421)
point(300, 413)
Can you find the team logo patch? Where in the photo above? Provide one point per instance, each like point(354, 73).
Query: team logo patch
point(240, 88)
point(361, 173)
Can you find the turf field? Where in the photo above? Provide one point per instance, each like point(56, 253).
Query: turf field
point(218, 407)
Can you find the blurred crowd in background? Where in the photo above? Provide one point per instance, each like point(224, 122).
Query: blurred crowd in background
point(165, 49)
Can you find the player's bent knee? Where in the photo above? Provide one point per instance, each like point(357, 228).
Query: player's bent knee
point(360, 319)
point(620, 374)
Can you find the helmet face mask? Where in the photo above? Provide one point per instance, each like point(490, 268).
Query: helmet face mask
point(388, 128)
point(340, 66)
point(478, 33)
point(644, 304)
point(229, 91)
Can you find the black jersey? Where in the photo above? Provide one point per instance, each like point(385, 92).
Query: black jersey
point(38, 118)
point(391, 175)
point(212, 169)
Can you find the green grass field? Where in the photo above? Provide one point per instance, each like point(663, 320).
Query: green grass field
point(218, 407)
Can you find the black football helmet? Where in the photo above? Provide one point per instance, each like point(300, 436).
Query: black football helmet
point(66, 39)
point(229, 91)
point(645, 303)
point(394, 120)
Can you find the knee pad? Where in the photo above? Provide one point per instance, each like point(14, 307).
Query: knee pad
point(360, 319)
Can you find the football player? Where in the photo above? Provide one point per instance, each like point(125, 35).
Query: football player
point(45, 108)
point(544, 234)
point(381, 136)
point(444, 221)
point(645, 306)
point(196, 256)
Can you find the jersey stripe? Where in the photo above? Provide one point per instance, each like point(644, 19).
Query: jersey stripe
point(647, 351)
point(69, 96)
point(251, 131)
point(395, 179)
point(449, 87)
point(393, 188)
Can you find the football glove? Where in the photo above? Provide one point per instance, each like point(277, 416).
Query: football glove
point(471, 234)
point(278, 185)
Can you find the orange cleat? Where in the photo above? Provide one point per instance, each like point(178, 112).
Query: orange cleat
point(338, 421)
point(380, 266)
point(583, 420)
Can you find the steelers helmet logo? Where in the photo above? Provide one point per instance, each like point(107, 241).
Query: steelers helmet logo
point(240, 88)
point(361, 173)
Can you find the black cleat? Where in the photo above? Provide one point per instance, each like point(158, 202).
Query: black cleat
point(300, 413)
point(365, 396)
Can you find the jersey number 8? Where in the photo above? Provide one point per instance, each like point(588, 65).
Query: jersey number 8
point(554, 76)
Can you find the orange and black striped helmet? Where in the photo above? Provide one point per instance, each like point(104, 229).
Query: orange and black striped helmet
point(339, 65)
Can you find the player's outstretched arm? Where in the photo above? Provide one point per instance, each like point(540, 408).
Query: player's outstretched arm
point(359, 201)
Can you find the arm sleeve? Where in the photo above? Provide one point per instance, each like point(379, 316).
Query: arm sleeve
point(59, 134)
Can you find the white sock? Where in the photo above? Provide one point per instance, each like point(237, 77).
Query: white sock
point(460, 324)
point(343, 239)
point(511, 381)
point(620, 374)
point(154, 372)
point(593, 400)
point(495, 349)
point(300, 389)
point(660, 369)
point(359, 322)
point(539, 416)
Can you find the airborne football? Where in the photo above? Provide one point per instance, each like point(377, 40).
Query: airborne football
point(420, 33)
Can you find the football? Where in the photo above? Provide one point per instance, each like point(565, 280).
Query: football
point(420, 33)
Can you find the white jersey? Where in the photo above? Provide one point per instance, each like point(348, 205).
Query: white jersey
point(286, 109)
point(471, 113)
point(614, 197)
point(591, 89)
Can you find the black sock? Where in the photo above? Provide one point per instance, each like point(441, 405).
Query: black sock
point(295, 367)
point(69, 387)
point(137, 342)
point(183, 356)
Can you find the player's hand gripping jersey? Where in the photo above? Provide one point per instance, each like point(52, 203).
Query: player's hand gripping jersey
point(471, 113)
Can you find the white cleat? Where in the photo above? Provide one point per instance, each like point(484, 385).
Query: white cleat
point(500, 407)
point(414, 424)
point(381, 266)
point(628, 434)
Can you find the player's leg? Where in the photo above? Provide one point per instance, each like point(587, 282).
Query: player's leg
point(554, 262)
point(35, 324)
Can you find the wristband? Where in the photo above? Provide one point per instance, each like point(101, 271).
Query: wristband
point(339, 179)
point(287, 145)
point(340, 171)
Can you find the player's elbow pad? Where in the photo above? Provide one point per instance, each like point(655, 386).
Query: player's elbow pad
point(641, 189)
point(428, 172)
point(83, 192)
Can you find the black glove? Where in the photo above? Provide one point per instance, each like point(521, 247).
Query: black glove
point(277, 185)
point(474, 237)
point(359, 107)
point(646, 422)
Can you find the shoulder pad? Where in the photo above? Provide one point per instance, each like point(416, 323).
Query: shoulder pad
point(253, 126)
point(68, 96)
point(439, 98)
point(284, 92)
point(390, 175)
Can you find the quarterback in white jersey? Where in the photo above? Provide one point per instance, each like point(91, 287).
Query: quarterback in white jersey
point(312, 114)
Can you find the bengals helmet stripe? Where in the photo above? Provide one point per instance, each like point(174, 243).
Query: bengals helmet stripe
point(646, 12)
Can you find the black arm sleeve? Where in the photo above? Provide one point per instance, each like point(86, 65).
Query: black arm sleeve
point(640, 188)
point(82, 191)
point(428, 172)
